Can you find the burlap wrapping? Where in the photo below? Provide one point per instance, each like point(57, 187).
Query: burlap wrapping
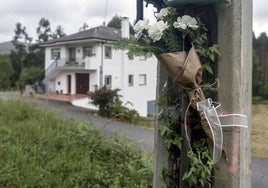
point(186, 71)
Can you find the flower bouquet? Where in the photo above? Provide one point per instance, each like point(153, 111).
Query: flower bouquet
point(178, 42)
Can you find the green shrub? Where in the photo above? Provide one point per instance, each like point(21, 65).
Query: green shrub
point(125, 114)
point(38, 149)
point(30, 76)
point(105, 98)
point(111, 106)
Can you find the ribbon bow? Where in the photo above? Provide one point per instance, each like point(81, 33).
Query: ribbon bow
point(216, 120)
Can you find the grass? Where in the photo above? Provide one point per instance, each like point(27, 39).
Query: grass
point(260, 130)
point(37, 149)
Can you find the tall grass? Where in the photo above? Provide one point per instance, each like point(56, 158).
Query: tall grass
point(38, 149)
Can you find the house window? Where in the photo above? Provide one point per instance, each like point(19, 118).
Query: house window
point(108, 52)
point(72, 54)
point(130, 80)
point(142, 79)
point(55, 53)
point(87, 51)
point(108, 81)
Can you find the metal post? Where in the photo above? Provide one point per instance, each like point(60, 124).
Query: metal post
point(139, 7)
point(101, 66)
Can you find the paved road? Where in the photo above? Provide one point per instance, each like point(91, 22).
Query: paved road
point(142, 136)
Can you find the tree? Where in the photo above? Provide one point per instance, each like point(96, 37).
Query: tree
point(43, 30)
point(30, 76)
point(6, 72)
point(21, 37)
point(260, 65)
point(257, 79)
point(21, 41)
point(261, 48)
point(115, 22)
point(35, 58)
point(58, 33)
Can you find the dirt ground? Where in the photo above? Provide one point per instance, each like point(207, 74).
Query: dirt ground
point(260, 131)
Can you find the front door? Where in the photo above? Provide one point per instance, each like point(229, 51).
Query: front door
point(82, 83)
point(69, 84)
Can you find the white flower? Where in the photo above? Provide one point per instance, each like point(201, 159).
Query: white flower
point(163, 12)
point(140, 26)
point(155, 31)
point(185, 21)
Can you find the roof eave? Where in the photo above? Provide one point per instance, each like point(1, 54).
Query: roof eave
point(59, 43)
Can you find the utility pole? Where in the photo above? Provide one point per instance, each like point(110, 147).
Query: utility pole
point(235, 75)
point(233, 32)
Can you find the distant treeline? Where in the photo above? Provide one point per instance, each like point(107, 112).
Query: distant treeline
point(260, 66)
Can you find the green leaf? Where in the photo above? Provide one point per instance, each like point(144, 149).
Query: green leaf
point(211, 56)
point(208, 68)
point(215, 49)
point(178, 141)
point(165, 130)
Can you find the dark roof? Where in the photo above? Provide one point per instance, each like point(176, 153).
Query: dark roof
point(97, 33)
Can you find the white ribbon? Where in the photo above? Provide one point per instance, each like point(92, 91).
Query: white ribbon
point(216, 120)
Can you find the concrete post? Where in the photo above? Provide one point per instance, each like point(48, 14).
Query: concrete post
point(235, 75)
point(161, 159)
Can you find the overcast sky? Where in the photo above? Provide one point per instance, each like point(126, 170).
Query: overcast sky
point(72, 14)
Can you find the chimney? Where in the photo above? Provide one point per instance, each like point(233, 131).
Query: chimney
point(125, 27)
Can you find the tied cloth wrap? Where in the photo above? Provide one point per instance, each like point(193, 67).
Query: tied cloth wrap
point(185, 69)
point(216, 120)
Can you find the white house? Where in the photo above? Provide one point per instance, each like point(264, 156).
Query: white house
point(84, 61)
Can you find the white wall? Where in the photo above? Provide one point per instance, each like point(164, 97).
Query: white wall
point(120, 66)
point(93, 80)
point(79, 53)
point(139, 95)
point(61, 83)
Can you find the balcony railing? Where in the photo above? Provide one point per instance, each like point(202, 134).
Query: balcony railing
point(67, 63)
point(89, 63)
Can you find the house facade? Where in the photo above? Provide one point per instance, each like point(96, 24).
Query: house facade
point(85, 61)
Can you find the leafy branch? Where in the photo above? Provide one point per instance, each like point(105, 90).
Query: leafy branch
point(201, 165)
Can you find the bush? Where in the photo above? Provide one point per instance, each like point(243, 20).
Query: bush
point(30, 76)
point(111, 106)
point(125, 114)
point(105, 98)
